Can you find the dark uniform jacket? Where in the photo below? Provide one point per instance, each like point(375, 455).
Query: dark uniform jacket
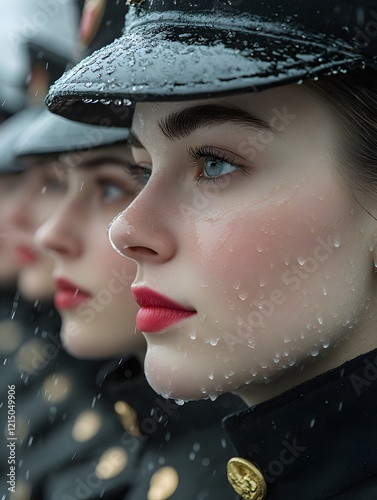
point(316, 441)
point(75, 438)
point(52, 414)
point(173, 452)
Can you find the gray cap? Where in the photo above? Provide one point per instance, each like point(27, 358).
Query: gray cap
point(53, 134)
point(10, 132)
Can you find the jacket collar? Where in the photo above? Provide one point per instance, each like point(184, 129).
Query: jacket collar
point(317, 440)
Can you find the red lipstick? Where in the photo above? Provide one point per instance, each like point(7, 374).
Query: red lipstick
point(156, 311)
point(26, 255)
point(68, 295)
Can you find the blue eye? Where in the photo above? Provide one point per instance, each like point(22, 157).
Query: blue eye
point(211, 163)
point(111, 191)
point(215, 167)
point(140, 174)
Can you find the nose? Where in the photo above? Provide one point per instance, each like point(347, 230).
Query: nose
point(60, 234)
point(143, 231)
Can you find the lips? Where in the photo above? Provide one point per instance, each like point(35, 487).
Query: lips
point(26, 255)
point(68, 295)
point(156, 311)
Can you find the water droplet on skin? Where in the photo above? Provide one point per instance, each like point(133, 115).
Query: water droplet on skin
point(243, 296)
point(237, 285)
point(320, 320)
point(262, 282)
point(336, 241)
point(210, 376)
point(301, 261)
point(214, 342)
point(179, 402)
point(193, 335)
point(315, 352)
point(312, 422)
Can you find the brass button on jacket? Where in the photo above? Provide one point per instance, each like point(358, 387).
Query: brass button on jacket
point(246, 479)
point(318, 440)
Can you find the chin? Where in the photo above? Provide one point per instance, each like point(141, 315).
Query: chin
point(76, 343)
point(33, 287)
point(180, 379)
point(33, 293)
point(79, 340)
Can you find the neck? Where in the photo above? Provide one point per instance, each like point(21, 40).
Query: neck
point(360, 340)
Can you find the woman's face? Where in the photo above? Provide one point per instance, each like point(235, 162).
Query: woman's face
point(246, 226)
point(33, 201)
point(93, 282)
point(9, 263)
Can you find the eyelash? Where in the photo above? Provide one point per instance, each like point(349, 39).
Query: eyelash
point(197, 154)
point(134, 169)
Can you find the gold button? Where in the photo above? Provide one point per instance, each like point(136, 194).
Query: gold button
point(10, 336)
point(163, 483)
point(92, 15)
point(112, 462)
point(22, 491)
point(246, 479)
point(56, 388)
point(30, 358)
point(86, 426)
point(128, 418)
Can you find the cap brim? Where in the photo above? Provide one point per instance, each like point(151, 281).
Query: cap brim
point(10, 132)
point(51, 134)
point(176, 61)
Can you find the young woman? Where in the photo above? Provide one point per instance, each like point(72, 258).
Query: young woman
point(172, 451)
point(255, 237)
point(98, 185)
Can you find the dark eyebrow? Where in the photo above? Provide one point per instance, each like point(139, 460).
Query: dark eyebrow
point(101, 160)
point(96, 162)
point(133, 140)
point(182, 123)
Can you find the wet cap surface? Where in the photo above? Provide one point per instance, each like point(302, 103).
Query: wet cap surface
point(192, 50)
point(54, 134)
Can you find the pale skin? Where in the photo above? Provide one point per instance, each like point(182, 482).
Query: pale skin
point(9, 264)
point(251, 225)
point(32, 202)
point(99, 185)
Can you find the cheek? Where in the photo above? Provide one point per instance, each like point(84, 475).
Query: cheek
point(112, 303)
point(278, 271)
point(249, 250)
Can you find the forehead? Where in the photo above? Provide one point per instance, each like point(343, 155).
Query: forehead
point(95, 157)
point(291, 111)
point(263, 105)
